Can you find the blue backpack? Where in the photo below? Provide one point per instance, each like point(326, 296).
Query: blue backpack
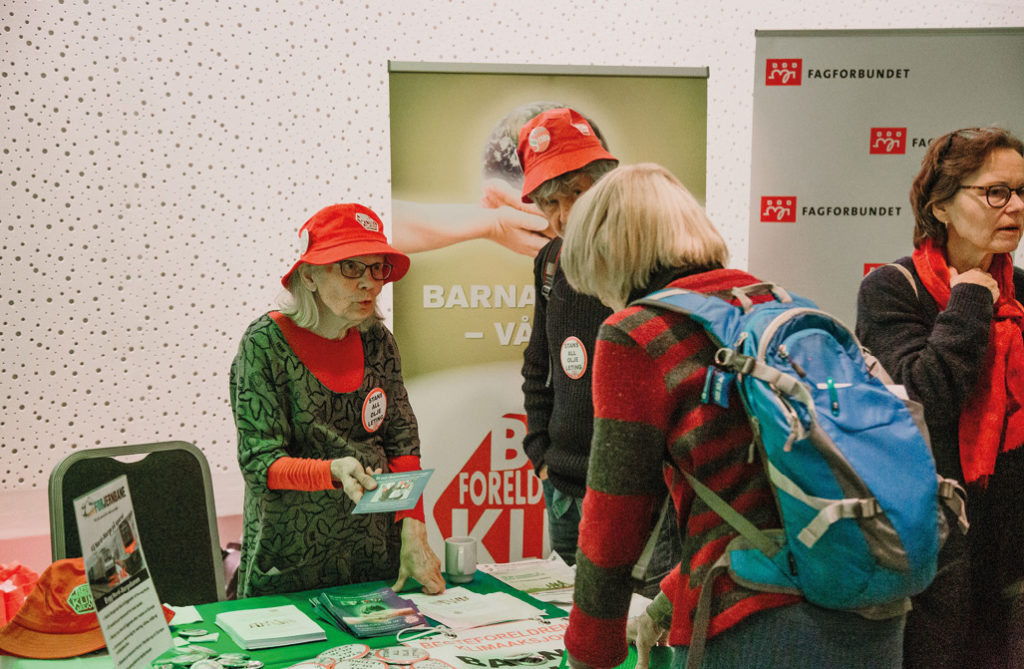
point(849, 462)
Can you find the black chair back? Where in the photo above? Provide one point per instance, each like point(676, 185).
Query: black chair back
point(174, 510)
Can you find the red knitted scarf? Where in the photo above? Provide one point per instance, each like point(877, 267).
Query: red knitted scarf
point(991, 422)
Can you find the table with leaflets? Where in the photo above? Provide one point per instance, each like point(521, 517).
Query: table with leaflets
point(286, 656)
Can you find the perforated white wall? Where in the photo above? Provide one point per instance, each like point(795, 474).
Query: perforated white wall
point(158, 158)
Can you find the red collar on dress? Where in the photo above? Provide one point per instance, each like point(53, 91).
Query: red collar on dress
point(336, 363)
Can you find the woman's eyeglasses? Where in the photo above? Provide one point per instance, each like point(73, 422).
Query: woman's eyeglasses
point(353, 269)
point(997, 196)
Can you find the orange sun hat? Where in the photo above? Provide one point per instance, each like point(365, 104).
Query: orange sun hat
point(58, 618)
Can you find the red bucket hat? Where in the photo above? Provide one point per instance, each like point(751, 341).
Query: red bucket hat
point(58, 618)
point(344, 231)
point(555, 142)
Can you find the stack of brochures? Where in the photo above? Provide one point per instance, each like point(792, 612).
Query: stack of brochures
point(269, 627)
point(377, 612)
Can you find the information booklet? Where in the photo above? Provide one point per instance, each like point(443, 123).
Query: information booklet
point(375, 613)
point(270, 627)
point(397, 491)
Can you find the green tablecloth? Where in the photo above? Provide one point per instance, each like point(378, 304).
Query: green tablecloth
point(286, 656)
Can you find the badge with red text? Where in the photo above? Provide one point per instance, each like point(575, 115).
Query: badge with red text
point(574, 357)
point(374, 407)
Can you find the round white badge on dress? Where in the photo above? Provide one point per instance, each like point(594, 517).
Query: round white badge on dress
point(574, 357)
point(374, 407)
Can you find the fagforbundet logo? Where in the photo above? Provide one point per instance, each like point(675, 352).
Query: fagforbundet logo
point(783, 71)
point(889, 141)
point(778, 209)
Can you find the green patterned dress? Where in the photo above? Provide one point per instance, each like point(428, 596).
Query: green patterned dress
point(299, 540)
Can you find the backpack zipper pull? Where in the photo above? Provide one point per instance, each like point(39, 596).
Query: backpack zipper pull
point(833, 396)
point(784, 354)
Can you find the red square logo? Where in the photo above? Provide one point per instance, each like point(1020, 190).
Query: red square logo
point(888, 140)
point(783, 71)
point(868, 266)
point(778, 209)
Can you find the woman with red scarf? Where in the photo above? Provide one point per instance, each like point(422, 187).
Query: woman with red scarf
point(946, 323)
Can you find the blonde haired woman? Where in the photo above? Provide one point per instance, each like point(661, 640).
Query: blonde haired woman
point(636, 231)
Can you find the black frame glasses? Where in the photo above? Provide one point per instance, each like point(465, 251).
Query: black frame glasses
point(998, 195)
point(353, 269)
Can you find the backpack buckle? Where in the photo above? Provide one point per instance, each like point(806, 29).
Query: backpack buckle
point(728, 358)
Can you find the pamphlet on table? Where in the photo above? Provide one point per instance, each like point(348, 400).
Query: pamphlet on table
point(269, 627)
point(549, 580)
point(459, 608)
point(376, 612)
point(127, 605)
point(524, 643)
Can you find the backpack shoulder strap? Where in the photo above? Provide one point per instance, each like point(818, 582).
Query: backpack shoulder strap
point(906, 272)
point(738, 521)
point(551, 256)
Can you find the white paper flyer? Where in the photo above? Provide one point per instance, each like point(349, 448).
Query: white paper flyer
point(459, 608)
point(127, 606)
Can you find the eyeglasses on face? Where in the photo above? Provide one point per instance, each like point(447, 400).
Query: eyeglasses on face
point(998, 195)
point(353, 269)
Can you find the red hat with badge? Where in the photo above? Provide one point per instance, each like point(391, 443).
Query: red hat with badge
point(554, 142)
point(343, 231)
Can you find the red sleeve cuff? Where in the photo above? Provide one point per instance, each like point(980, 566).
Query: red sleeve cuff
point(299, 474)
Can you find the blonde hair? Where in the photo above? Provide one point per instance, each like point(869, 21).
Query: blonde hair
point(301, 305)
point(636, 220)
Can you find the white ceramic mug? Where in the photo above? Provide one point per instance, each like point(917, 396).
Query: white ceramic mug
point(460, 559)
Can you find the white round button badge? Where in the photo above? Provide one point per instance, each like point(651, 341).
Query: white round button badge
point(573, 356)
point(374, 407)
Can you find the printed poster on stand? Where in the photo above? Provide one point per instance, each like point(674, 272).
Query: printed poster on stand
point(463, 313)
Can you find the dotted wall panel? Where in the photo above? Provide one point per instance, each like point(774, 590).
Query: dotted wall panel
point(158, 158)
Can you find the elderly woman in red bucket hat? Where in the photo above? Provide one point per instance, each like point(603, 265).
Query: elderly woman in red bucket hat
point(320, 405)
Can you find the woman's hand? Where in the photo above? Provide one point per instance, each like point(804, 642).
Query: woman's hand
point(418, 561)
point(353, 477)
point(975, 276)
point(644, 633)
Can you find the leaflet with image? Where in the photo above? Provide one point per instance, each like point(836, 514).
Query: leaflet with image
point(396, 491)
point(120, 585)
point(269, 627)
point(373, 613)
